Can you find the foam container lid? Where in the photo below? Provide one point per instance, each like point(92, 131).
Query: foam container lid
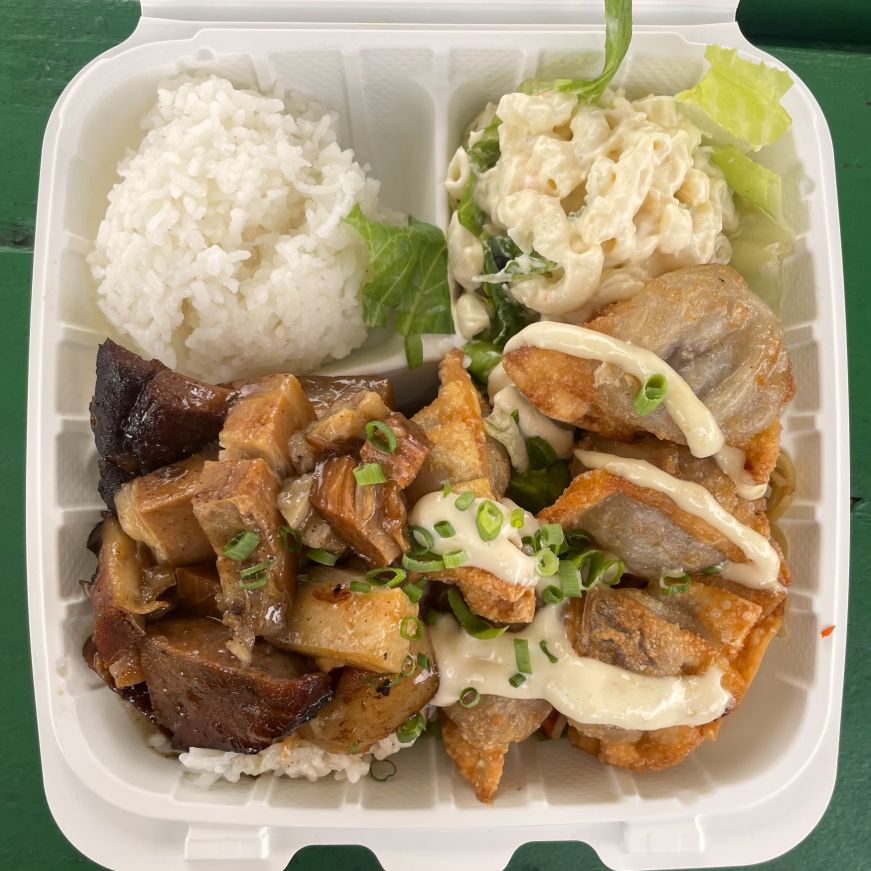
point(405, 79)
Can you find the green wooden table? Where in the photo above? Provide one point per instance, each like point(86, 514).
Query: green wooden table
point(43, 43)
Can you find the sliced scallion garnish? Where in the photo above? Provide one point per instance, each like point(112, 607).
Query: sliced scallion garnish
point(516, 518)
point(551, 535)
point(291, 539)
point(256, 583)
point(423, 662)
point(369, 473)
point(521, 655)
point(455, 559)
point(469, 697)
point(473, 625)
point(612, 572)
point(241, 545)
point(543, 645)
point(256, 569)
point(464, 500)
point(411, 628)
point(672, 583)
point(381, 436)
point(552, 595)
point(712, 570)
point(422, 565)
point(569, 579)
point(360, 587)
point(446, 489)
point(444, 528)
point(546, 562)
point(516, 680)
point(489, 520)
point(411, 728)
point(413, 592)
point(386, 576)
point(651, 394)
point(321, 556)
point(421, 539)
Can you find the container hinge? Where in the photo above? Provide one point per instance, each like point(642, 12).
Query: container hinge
point(663, 836)
point(206, 843)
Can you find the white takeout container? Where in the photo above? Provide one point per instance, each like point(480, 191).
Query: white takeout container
point(405, 79)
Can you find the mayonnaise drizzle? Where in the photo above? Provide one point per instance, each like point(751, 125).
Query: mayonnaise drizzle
point(762, 568)
point(502, 556)
point(581, 688)
point(533, 423)
point(691, 416)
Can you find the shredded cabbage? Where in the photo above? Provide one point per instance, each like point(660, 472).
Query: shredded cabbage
point(741, 97)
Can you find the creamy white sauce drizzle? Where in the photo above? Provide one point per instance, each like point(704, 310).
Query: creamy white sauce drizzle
point(731, 462)
point(533, 423)
point(762, 568)
point(581, 688)
point(502, 556)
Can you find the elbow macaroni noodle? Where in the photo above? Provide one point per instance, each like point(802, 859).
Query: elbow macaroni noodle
point(615, 194)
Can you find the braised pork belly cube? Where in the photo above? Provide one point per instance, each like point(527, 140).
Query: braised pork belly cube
point(343, 426)
point(206, 697)
point(263, 418)
point(324, 391)
point(235, 499)
point(156, 510)
point(410, 452)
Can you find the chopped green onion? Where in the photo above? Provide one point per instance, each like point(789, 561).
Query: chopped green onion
point(386, 576)
point(241, 545)
point(432, 616)
point(551, 535)
point(413, 592)
point(408, 666)
point(369, 473)
point(469, 697)
point(256, 583)
point(413, 351)
point(569, 579)
point(517, 518)
point(256, 569)
point(291, 539)
point(711, 570)
point(422, 565)
point(455, 559)
point(382, 775)
point(474, 625)
point(324, 557)
point(360, 587)
point(521, 655)
point(612, 572)
point(411, 634)
point(546, 562)
point(543, 645)
point(381, 436)
point(464, 500)
point(421, 539)
point(651, 394)
point(671, 584)
point(424, 662)
point(577, 539)
point(516, 680)
point(590, 564)
point(446, 489)
point(411, 728)
point(489, 520)
point(541, 453)
point(444, 528)
point(552, 595)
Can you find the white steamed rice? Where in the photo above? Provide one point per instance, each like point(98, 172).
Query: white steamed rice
point(223, 252)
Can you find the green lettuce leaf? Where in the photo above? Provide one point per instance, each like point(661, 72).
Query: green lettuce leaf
point(751, 180)
point(742, 98)
point(508, 315)
point(544, 480)
point(618, 35)
point(408, 276)
point(485, 357)
point(485, 152)
point(469, 213)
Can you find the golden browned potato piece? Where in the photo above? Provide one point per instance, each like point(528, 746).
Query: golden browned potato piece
point(330, 621)
point(367, 707)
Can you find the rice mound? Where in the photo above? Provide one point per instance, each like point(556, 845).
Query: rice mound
point(223, 251)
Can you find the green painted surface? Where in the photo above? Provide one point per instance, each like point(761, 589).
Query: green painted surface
point(43, 44)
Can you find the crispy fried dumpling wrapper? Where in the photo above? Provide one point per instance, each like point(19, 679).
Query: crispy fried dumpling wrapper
point(489, 596)
point(478, 738)
point(707, 324)
point(454, 423)
point(649, 633)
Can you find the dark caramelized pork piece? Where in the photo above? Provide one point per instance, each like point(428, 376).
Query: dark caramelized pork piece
point(205, 697)
point(412, 449)
point(236, 496)
point(145, 416)
point(262, 420)
point(156, 510)
point(136, 694)
point(342, 427)
point(325, 390)
point(120, 596)
point(198, 590)
point(370, 518)
point(294, 503)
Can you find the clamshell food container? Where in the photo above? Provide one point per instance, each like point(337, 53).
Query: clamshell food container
point(405, 79)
